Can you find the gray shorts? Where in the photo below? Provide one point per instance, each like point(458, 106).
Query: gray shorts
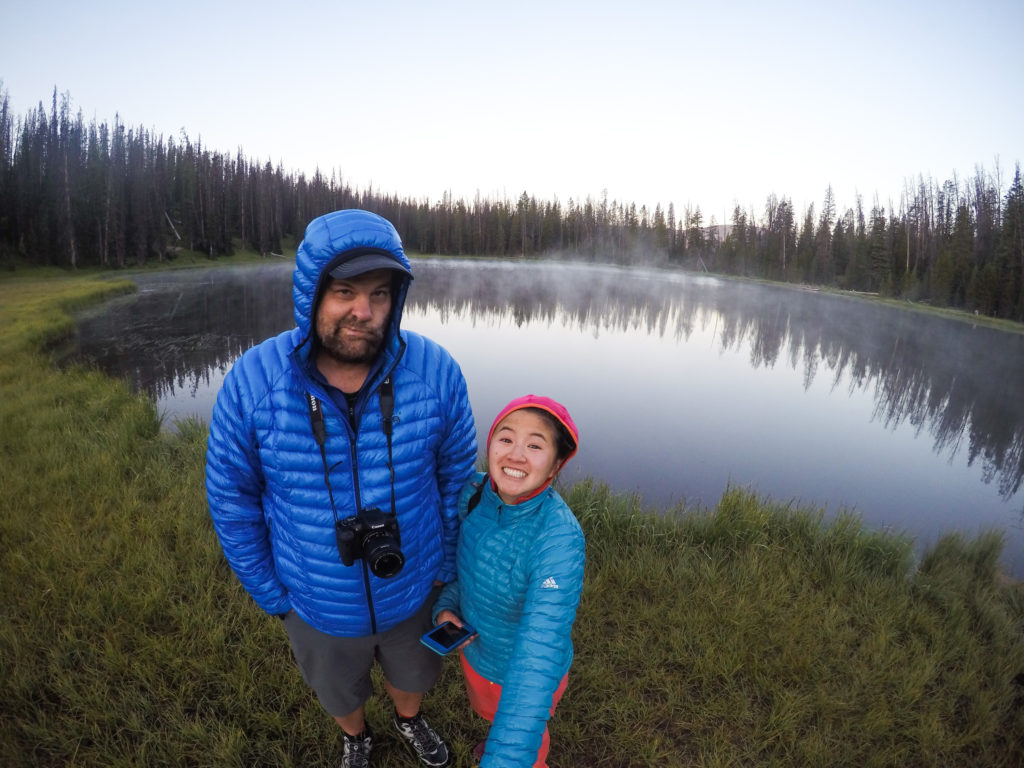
point(338, 668)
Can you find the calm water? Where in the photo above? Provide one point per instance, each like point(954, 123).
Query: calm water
point(681, 385)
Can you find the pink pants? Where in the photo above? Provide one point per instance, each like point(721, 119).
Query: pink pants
point(485, 695)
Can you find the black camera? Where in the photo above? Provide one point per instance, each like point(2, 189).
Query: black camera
point(372, 535)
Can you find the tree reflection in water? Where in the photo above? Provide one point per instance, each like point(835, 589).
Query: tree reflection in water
point(960, 382)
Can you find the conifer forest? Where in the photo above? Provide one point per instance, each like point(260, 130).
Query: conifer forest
point(77, 194)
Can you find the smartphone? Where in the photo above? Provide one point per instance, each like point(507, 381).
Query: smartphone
point(446, 637)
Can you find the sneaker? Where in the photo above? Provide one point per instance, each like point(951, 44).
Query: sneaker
point(357, 750)
point(425, 742)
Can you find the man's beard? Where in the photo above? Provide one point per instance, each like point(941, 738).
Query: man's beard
point(350, 351)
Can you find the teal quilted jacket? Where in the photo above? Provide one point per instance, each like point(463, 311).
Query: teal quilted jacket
point(520, 576)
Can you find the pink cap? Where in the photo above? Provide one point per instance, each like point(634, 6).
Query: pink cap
point(545, 404)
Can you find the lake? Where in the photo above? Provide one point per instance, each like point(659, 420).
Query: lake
point(681, 384)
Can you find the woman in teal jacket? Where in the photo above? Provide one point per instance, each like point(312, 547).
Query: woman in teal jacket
point(520, 574)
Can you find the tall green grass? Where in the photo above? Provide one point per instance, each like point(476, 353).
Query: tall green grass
point(747, 635)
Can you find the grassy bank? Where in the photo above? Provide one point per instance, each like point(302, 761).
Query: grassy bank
point(749, 635)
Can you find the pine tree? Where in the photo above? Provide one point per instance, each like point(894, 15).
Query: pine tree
point(823, 271)
point(805, 250)
point(879, 252)
point(1011, 252)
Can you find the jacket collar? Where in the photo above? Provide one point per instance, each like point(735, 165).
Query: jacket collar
point(523, 508)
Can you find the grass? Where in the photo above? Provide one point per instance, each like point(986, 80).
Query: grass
point(746, 635)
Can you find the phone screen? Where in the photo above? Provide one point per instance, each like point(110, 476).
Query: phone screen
point(448, 634)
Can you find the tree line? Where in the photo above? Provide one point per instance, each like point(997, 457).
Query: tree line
point(104, 194)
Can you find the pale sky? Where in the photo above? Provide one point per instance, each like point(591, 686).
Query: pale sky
point(708, 104)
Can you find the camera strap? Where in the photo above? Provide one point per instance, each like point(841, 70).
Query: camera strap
point(316, 420)
point(387, 413)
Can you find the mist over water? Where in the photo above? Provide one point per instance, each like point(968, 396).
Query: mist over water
point(681, 385)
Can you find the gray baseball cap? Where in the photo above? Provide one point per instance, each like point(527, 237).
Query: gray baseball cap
point(367, 262)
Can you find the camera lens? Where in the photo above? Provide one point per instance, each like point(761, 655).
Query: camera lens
point(387, 565)
point(382, 554)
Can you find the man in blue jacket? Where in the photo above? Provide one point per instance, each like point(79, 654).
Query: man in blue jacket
point(336, 454)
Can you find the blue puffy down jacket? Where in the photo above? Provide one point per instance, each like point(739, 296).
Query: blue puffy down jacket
point(265, 477)
point(520, 576)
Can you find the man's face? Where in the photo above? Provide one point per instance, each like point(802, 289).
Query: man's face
point(353, 315)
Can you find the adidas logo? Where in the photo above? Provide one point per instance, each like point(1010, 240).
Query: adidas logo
point(549, 583)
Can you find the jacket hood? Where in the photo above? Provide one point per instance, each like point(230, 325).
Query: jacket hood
point(335, 238)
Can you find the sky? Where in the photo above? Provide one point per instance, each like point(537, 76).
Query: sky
point(702, 105)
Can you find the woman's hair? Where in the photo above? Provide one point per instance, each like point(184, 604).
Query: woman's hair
point(564, 444)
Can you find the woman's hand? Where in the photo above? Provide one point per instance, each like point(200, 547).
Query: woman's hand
point(447, 615)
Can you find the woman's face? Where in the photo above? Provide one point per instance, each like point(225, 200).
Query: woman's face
point(521, 456)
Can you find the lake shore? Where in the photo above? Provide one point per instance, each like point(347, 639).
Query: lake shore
point(749, 634)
